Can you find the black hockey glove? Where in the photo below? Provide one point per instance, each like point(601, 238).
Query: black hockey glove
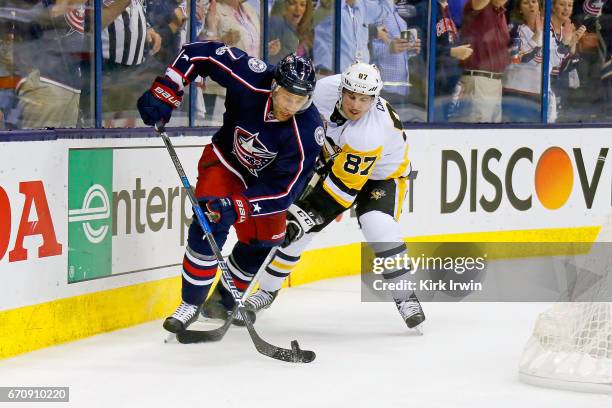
point(323, 165)
point(156, 104)
point(299, 222)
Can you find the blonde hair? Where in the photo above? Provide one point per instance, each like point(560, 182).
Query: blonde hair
point(305, 28)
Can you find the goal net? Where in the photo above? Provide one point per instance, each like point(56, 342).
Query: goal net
point(571, 345)
point(571, 348)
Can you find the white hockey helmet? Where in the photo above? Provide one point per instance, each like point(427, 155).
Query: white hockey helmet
point(361, 78)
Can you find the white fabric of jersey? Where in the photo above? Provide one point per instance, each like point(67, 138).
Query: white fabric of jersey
point(375, 129)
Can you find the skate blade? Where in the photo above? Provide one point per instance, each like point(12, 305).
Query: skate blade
point(170, 338)
point(418, 330)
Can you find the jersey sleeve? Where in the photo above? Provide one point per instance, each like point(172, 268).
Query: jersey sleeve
point(326, 94)
point(350, 171)
point(291, 170)
point(230, 67)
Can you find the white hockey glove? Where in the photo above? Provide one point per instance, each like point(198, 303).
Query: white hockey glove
point(299, 222)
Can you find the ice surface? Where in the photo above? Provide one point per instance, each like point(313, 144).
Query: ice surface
point(468, 357)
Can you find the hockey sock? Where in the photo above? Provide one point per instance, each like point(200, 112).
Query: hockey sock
point(277, 271)
point(399, 274)
point(199, 272)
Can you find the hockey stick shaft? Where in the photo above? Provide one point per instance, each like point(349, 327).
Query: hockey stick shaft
point(201, 218)
point(295, 355)
point(203, 336)
point(217, 334)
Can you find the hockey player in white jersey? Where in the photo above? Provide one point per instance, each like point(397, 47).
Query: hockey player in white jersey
point(366, 154)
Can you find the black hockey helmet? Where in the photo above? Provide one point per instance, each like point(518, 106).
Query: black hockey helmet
point(296, 74)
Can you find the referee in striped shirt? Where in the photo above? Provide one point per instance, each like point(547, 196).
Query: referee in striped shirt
point(125, 37)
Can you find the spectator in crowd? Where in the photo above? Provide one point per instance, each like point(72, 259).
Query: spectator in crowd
point(167, 18)
point(391, 55)
point(589, 100)
point(455, 8)
point(360, 20)
point(8, 76)
point(48, 41)
point(604, 32)
point(564, 76)
point(322, 9)
point(485, 28)
point(235, 23)
point(522, 79)
point(449, 51)
point(291, 29)
point(125, 37)
point(238, 26)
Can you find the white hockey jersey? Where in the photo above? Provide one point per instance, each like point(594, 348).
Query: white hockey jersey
point(373, 147)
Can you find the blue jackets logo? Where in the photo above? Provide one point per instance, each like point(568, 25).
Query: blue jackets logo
point(257, 65)
point(251, 153)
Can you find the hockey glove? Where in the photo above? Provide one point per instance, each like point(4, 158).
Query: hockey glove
point(299, 222)
point(156, 104)
point(323, 165)
point(229, 210)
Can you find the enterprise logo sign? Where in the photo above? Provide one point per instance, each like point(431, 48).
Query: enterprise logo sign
point(96, 206)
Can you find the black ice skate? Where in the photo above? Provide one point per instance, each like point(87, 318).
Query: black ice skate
point(184, 315)
point(411, 311)
point(220, 306)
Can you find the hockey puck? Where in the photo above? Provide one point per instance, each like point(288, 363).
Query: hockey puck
point(299, 355)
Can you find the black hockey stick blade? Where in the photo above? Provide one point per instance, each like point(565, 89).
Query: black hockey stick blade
point(293, 355)
point(204, 336)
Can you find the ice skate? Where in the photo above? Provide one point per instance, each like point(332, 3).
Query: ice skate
point(261, 299)
point(220, 306)
point(184, 315)
point(412, 313)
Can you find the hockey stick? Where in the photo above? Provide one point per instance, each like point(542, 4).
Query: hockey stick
point(190, 336)
point(205, 336)
point(293, 355)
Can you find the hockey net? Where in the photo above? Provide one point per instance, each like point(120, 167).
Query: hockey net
point(571, 348)
point(571, 345)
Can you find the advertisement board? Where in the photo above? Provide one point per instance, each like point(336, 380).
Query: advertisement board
point(92, 222)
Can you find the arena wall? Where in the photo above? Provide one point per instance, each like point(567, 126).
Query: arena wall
point(92, 231)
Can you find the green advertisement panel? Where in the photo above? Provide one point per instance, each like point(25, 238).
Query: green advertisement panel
point(90, 188)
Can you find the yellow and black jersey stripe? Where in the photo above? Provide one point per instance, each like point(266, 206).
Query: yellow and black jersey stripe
point(351, 170)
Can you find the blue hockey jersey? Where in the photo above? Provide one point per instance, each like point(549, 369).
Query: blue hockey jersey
point(273, 159)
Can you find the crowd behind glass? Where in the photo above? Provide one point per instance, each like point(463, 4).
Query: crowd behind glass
point(488, 55)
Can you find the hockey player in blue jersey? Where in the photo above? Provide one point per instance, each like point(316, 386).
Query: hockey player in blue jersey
point(257, 164)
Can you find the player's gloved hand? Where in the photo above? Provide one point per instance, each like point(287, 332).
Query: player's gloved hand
point(323, 165)
point(229, 210)
point(157, 104)
point(300, 221)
